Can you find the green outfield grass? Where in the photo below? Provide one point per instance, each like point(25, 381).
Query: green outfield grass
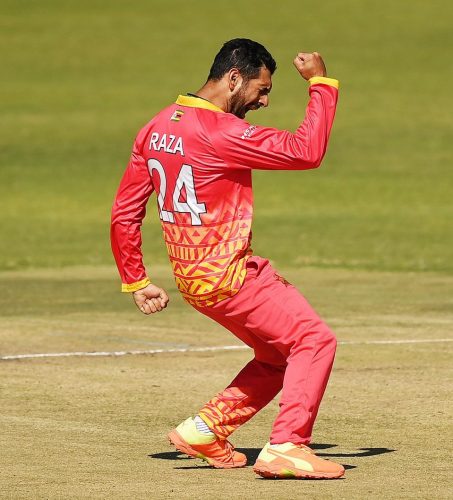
point(80, 78)
point(367, 237)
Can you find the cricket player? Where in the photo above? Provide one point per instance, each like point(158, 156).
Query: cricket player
point(197, 155)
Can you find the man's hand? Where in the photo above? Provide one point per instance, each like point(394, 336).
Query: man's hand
point(310, 65)
point(151, 299)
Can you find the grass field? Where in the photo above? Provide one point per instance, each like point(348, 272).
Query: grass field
point(81, 78)
point(368, 238)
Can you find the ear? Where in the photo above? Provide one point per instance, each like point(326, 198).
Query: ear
point(234, 80)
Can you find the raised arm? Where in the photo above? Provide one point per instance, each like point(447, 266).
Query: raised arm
point(269, 148)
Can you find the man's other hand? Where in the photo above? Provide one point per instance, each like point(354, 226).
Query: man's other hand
point(310, 65)
point(151, 299)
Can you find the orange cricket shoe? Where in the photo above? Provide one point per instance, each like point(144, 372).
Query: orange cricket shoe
point(217, 452)
point(290, 460)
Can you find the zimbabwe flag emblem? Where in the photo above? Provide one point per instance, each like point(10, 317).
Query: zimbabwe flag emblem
point(177, 115)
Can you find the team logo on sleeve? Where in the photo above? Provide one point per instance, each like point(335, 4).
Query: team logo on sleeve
point(248, 133)
point(177, 115)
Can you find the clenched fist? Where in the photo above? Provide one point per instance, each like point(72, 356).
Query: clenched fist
point(151, 299)
point(310, 65)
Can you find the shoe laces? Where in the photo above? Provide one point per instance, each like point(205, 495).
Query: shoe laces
point(227, 447)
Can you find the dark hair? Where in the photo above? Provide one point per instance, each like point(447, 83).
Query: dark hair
point(245, 55)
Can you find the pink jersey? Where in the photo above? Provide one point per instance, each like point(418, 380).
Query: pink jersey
point(199, 160)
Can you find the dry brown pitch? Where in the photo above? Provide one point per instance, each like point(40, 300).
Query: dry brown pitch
point(81, 427)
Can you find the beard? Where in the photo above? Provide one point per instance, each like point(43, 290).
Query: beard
point(238, 104)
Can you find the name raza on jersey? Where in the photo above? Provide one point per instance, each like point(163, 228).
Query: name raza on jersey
point(168, 143)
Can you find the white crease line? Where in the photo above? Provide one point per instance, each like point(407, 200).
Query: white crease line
point(410, 341)
point(200, 349)
point(124, 353)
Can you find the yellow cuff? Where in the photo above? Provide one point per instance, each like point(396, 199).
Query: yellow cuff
point(133, 287)
point(326, 81)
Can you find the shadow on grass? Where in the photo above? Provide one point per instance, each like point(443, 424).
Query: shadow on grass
point(252, 455)
point(177, 455)
point(170, 455)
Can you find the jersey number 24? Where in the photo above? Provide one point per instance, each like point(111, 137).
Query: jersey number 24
point(184, 180)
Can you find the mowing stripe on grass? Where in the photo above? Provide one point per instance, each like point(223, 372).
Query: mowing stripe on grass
point(201, 349)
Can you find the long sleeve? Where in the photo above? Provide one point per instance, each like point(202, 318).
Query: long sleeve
point(245, 146)
point(128, 211)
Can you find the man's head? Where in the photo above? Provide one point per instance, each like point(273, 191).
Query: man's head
point(244, 68)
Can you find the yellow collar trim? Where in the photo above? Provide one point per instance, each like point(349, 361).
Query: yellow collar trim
point(195, 102)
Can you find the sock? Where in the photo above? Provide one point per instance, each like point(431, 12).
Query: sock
point(202, 427)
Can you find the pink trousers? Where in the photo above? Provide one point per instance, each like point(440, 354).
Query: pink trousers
point(294, 352)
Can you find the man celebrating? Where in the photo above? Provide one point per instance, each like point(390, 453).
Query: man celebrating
point(198, 155)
